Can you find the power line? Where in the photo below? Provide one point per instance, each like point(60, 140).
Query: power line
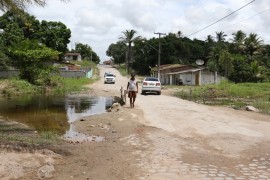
point(222, 18)
point(259, 13)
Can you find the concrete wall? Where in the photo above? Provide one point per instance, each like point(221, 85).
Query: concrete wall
point(63, 73)
point(9, 73)
point(72, 74)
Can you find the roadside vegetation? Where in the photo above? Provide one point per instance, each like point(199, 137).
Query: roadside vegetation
point(230, 94)
point(55, 85)
point(18, 137)
point(59, 86)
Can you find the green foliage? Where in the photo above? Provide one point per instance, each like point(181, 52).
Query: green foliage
point(4, 61)
point(129, 37)
point(54, 35)
point(245, 59)
point(117, 52)
point(31, 57)
point(22, 24)
point(86, 52)
point(121, 68)
point(68, 85)
point(12, 34)
point(49, 136)
point(17, 87)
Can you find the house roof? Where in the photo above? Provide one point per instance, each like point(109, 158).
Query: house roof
point(187, 70)
point(72, 54)
point(169, 66)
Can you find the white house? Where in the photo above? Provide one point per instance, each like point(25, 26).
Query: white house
point(178, 74)
point(73, 57)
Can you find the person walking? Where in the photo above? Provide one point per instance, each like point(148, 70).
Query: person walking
point(132, 88)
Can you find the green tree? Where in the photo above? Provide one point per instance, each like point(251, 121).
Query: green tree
point(210, 39)
point(238, 41)
point(86, 52)
point(4, 60)
point(84, 49)
point(241, 69)
point(28, 24)
point(220, 36)
point(55, 35)
point(117, 52)
point(12, 34)
point(225, 63)
point(17, 27)
point(129, 36)
point(30, 57)
point(253, 45)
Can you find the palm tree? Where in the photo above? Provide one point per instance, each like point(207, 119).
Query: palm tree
point(220, 36)
point(238, 40)
point(179, 34)
point(253, 45)
point(18, 4)
point(15, 5)
point(209, 39)
point(128, 38)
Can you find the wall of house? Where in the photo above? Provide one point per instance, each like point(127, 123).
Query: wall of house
point(210, 77)
point(189, 78)
point(73, 57)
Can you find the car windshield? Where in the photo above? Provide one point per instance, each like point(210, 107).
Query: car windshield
point(109, 75)
point(151, 79)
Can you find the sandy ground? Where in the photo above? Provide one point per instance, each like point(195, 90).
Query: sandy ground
point(161, 138)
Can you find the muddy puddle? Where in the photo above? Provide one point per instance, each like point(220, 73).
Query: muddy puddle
point(51, 113)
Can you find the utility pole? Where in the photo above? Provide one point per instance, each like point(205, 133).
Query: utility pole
point(91, 58)
point(159, 52)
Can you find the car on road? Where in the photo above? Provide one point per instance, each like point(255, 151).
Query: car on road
point(151, 84)
point(109, 78)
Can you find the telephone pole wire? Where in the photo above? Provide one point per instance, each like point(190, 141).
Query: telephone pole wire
point(159, 52)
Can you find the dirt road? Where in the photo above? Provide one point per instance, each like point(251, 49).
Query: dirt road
point(165, 138)
point(194, 141)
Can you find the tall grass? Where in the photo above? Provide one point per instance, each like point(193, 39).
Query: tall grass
point(122, 69)
point(226, 93)
point(68, 85)
point(16, 87)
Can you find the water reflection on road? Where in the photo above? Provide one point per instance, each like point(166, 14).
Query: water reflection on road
point(49, 113)
point(76, 110)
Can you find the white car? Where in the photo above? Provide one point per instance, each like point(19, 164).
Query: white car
point(151, 84)
point(109, 78)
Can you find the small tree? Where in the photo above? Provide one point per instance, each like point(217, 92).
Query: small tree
point(31, 57)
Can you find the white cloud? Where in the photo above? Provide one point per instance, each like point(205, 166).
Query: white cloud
point(94, 22)
point(101, 22)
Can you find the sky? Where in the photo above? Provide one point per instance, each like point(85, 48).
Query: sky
point(100, 23)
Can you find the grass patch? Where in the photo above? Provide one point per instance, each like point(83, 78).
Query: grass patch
point(16, 133)
point(59, 86)
point(122, 69)
point(68, 85)
point(226, 93)
point(13, 87)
